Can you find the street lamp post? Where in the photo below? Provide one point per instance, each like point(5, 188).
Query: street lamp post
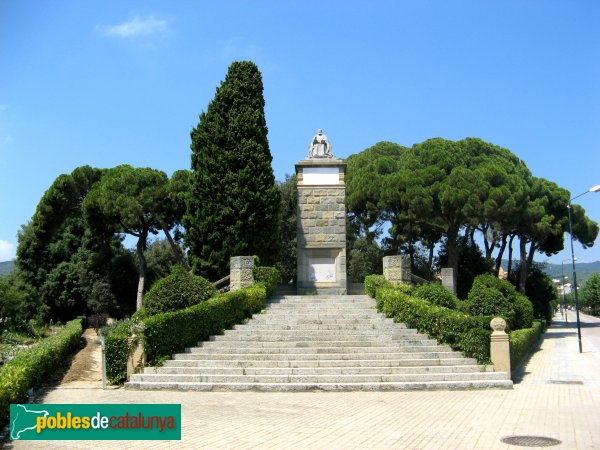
point(592, 189)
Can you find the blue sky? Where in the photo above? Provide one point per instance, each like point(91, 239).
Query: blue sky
point(111, 82)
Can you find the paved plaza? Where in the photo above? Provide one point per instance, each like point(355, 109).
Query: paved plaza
point(556, 395)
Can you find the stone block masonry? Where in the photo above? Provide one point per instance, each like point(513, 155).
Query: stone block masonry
point(321, 226)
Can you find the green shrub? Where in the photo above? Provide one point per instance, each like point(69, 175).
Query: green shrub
point(522, 342)
point(436, 294)
point(523, 312)
point(167, 333)
point(268, 275)
point(116, 350)
point(491, 295)
point(33, 366)
point(469, 334)
point(489, 301)
point(374, 282)
point(178, 290)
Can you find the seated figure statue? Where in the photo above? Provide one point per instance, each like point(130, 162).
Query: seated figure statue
point(320, 147)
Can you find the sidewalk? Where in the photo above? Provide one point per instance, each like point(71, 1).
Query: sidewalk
point(557, 395)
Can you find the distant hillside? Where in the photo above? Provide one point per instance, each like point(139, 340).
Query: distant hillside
point(584, 270)
point(6, 267)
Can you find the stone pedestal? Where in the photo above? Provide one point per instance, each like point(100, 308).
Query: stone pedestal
point(500, 346)
point(396, 269)
point(449, 279)
point(321, 226)
point(240, 272)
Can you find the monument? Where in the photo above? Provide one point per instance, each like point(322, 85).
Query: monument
point(321, 223)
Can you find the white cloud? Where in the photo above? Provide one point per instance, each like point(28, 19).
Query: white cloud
point(7, 251)
point(136, 27)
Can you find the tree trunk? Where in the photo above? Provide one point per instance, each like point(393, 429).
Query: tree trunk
point(489, 246)
point(141, 246)
point(532, 249)
point(453, 251)
point(500, 254)
point(510, 255)
point(176, 249)
point(523, 263)
point(430, 259)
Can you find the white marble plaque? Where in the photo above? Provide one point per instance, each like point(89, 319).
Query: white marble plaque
point(320, 175)
point(321, 269)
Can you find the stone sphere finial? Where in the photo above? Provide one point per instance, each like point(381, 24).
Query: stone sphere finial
point(498, 324)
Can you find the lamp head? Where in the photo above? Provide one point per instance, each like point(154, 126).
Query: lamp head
point(595, 188)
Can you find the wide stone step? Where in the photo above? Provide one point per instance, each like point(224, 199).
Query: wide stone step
point(337, 387)
point(287, 354)
point(361, 378)
point(266, 326)
point(330, 335)
point(374, 370)
point(334, 341)
point(324, 347)
point(241, 363)
point(319, 315)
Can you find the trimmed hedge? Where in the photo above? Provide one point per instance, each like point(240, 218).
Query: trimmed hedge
point(178, 290)
point(268, 275)
point(469, 334)
point(490, 295)
point(116, 350)
point(436, 294)
point(33, 366)
point(167, 333)
point(374, 282)
point(522, 341)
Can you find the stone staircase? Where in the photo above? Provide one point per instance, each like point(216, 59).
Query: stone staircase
point(329, 343)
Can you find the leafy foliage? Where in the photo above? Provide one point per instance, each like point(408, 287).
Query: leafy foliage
point(540, 290)
point(469, 334)
point(436, 294)
point(136, 201)
point(366, 258)
point(286, 259)
point(60, 259)
point(590, 293)
point(522, 342)
point(268, 275)
point(178, 290)
point(116, 348)
point(471, 264)
point(167, 333)
point(492, 296)
point(233, 209)
point(32, 367)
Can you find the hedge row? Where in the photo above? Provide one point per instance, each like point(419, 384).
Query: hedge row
point(33, 366)
point(469, 334)
point(167, 333)
point(522, 341)
point(116, 350)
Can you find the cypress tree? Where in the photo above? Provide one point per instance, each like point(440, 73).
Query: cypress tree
point(234, 204)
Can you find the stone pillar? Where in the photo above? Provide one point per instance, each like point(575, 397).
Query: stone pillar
point(240, 275)
point(449, 279)
point(500, 347)
point(396, 269)
point(321, 226)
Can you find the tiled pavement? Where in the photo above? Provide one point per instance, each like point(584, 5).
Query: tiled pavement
point(557, 396)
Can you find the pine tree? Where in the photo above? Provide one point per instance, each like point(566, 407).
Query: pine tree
point(234, 204)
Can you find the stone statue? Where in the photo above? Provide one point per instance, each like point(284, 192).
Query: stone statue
point(320, 147)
